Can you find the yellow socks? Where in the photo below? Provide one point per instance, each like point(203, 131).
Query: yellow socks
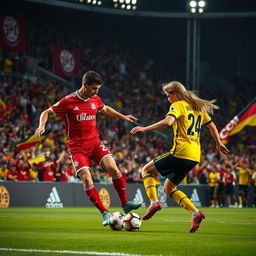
point(181, 199)
point(240, 199)
point(150, 187)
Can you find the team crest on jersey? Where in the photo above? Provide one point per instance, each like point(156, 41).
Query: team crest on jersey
point(76, 163)
point(172, 109)
point(93, 106)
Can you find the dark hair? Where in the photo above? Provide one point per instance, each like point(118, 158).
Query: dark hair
point(92, 77)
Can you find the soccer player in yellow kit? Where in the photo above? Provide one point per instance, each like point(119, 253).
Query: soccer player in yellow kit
point(186, 115)
point(213, 182)
point(244, 177)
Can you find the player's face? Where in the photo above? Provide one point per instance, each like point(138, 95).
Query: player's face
point(93, 89)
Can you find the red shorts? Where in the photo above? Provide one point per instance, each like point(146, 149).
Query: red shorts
point(81, 157)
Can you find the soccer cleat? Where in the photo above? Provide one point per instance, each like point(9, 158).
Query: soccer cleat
point(152, 209)
point(196, 221)
point(131, 205)
point(106, 218)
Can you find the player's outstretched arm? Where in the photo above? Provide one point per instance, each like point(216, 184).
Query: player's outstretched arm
point(42, 121)
point(221, 148)
point(108, 111)
point(168, 121)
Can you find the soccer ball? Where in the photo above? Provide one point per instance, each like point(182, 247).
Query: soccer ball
point(116, 221)
point(132, 222)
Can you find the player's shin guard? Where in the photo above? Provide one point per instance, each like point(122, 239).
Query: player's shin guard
point(150, 187)
point(181, 199)
point(94, 197)
point(120, 187)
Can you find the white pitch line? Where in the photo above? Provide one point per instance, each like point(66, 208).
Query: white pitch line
point(75, 252)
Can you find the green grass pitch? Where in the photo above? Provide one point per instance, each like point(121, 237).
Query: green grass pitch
point(223, 232)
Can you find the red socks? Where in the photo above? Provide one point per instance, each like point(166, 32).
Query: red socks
point(120, 187)
point(94, 197)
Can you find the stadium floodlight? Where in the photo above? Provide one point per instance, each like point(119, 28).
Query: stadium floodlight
point(100, 3)
point(197, 6)
point(193, 4)
point(201, 4)
point(125, 4)
point(94, 2)
point(89, 1)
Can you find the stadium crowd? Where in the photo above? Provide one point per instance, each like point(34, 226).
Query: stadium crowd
point(133, 83)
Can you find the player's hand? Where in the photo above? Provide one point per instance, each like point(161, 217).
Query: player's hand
point(222, 149)
point(137, 129)
point(130, 118)
point(39, 131)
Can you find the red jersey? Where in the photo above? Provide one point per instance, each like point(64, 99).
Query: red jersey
point(23, 174)
point(49, 172)
point(228, 179)
point(79, 115)
point(221, 174)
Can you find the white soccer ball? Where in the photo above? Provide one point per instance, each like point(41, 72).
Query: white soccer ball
point(132, 222)
point(116, 221)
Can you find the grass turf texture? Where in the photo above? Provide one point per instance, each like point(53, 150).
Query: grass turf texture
point(223, 232)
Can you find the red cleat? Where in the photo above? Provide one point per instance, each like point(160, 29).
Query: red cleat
point(152, 209)
point(196, 221)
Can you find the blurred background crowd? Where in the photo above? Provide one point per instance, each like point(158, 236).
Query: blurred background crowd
point(132, 85)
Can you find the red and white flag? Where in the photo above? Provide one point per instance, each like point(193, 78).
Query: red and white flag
point(12, 33)
point(66, 62)
point(247, 117)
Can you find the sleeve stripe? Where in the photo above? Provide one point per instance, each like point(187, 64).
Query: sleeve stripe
point(208, 122)
point(102, 108)
point(52, 110)
point(171, 115)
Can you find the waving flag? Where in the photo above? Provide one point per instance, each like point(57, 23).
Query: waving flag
point(37, 159)
point(28, 142)
point(247, 117)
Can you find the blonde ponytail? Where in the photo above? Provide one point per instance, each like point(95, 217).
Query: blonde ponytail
point(189, 96)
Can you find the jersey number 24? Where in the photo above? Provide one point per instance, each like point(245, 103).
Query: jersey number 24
point(195, 125)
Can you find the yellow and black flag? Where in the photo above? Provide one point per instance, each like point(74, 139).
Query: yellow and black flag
point(28, 142)
point(247, 117)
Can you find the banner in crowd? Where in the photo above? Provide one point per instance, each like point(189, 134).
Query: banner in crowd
point(247, 117)
point(12, 33)
point(66, 62)
point(37, 159)
point(28, 142)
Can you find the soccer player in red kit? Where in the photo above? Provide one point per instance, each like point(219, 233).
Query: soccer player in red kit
point(79, 110)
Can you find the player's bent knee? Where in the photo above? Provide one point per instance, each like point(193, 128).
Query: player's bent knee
point(113, 170)
point(145, 171)
point(168, 189)
point(85, 176)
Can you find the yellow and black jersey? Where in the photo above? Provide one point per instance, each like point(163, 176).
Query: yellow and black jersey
point(244, 176)
point(186, 130)
point(213, 179)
